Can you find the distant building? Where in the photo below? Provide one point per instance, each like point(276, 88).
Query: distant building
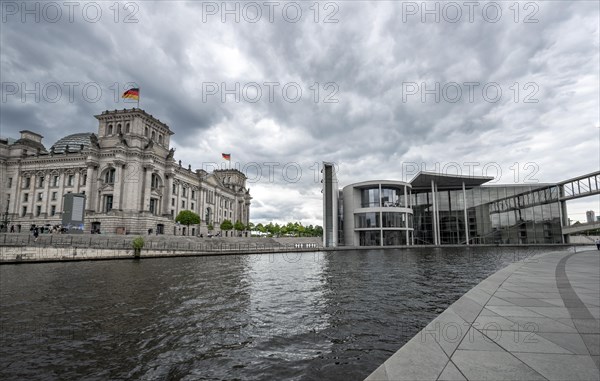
point(435, 209)
point(128, 174)
point(590, 216)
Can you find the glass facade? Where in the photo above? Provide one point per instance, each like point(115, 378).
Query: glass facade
point(375, 214)
point(366, 220)
point(369, 198)
point(513, 214)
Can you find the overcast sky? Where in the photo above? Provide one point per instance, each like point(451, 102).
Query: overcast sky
point(385, 87)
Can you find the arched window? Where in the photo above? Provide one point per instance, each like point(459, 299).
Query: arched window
point(160, 139)
point(207, 216)
point(109, 176)
point(127, 128)
point(119, 128)
point(146, 131)
point(155, 183)
point(110, 129)
point(153, 135)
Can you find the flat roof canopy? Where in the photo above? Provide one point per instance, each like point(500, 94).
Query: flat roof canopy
point(422, 181)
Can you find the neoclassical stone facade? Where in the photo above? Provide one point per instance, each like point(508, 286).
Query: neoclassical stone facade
point(128, 173)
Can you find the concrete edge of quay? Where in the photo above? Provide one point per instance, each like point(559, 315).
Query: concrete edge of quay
point(549, 314)
point(40, 254)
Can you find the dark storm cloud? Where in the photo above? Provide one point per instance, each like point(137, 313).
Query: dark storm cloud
point(370, 56)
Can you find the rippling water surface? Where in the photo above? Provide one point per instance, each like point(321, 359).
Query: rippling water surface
point(310, 316)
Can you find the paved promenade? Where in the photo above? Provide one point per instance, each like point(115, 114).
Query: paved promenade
point(533, 320)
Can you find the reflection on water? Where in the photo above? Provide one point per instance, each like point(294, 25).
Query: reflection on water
point(335, 315)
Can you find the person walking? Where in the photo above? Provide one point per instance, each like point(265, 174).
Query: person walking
point(36, 233)
point(598, 244)
point(12, 228)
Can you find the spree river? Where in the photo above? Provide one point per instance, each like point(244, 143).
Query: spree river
point(310, 316)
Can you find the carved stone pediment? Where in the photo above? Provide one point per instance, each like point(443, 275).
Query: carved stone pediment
point(106, 187)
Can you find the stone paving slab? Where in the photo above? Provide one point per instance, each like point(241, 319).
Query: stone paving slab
point(533, 320)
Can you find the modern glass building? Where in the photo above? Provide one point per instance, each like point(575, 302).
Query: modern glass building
point(376, 213)
point(435, 209)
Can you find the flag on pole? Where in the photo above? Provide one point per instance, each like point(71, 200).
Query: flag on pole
point(226, 156)
point(132, 94)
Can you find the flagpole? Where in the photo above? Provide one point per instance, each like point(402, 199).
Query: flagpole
point(139, 93)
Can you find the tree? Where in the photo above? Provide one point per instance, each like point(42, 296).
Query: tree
point(138, 244)
point(187, 217)
point(250, 226)
point(239, 226)
point(210, 227)
point(226, 225)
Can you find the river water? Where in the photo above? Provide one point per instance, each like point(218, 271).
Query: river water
point(310, 316)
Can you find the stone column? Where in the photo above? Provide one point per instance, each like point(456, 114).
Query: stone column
point(47, 195)
point(118, 185)
point(146, 187)
point(89, 189)
point(76, 180)
point(168, 188)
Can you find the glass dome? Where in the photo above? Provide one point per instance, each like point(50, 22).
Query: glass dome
point(73, 141)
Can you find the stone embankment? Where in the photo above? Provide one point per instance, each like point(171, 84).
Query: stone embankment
point(19, 248)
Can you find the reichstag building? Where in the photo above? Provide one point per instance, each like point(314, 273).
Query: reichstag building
point(127, 171)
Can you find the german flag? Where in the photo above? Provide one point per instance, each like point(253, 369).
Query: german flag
point(226, 156)
point(132, 94)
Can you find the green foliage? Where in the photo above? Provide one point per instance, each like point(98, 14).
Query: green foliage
point(239, 226)
point(210, 227)
point(295, 229)
point(138, 243)
point(187, 217)
point(226, 225)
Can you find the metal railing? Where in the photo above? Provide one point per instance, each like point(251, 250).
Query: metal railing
point(120, 243)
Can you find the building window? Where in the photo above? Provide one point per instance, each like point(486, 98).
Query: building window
point(25, 197)
point(110, 129)
point(84, 180)
point(155, 181)
point(192, 206)
point(40, 182)
point(172, 202)
point(153, 135)
point(9, 184)
point(53, 196)
point(172, 213)
point(55, 181)
point(119, 128)
point(108, 203)
point(27, 182)
point(38, 210)
point(127, 128)
point(184, 192)
point(160, 139)
point(53, 210)
point(40, 196)
point(182, 204)
point(70, 180)
point(193, 194)
point(109, 176)
point(146, 131)
point(174, 188)
point(24, 211)
point(153, 204)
